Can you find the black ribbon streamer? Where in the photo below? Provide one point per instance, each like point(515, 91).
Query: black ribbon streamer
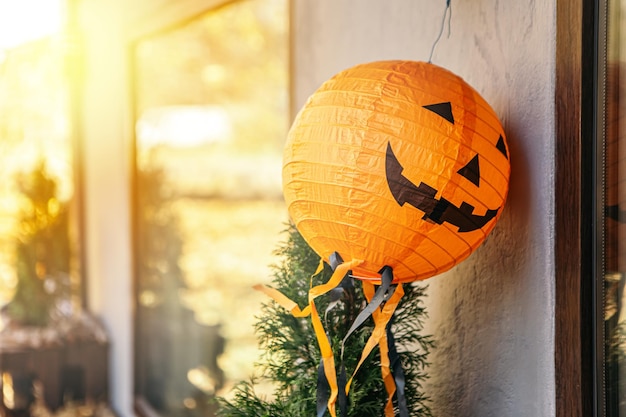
point(384, 292)
point(377, 300)
point(323, 390)
point(342, 397)
point(398, 373)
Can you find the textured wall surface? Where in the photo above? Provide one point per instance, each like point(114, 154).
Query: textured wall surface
point(492, 315)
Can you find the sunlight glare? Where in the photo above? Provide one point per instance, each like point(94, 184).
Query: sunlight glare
point(27, 20)
point(183, 126)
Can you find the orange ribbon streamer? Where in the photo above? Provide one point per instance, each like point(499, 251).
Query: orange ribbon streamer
point(325, 348)
point(381, 317)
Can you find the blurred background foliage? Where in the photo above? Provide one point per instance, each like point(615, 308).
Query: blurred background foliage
point(37, 167)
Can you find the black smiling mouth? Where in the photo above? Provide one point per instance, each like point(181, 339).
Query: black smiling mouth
point(423, 198)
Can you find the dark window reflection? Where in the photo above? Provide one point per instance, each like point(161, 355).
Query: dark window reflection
point(615, 212)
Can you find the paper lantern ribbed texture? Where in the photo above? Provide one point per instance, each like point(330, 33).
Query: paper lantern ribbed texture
point(399, 164)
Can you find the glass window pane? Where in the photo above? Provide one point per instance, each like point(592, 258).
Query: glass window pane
point(615, 212)
point(212, 114)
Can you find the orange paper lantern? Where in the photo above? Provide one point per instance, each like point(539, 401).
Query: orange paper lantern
point(399, 164)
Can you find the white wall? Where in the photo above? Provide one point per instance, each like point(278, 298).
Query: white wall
point(492, 315)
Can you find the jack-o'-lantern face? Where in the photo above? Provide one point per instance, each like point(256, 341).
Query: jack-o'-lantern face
point(399, 164)
point(423, 196)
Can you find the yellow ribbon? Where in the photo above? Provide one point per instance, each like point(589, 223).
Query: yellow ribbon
point(381, 319)
point(325, 348)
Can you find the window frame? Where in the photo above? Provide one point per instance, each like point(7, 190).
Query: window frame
point(578, 210)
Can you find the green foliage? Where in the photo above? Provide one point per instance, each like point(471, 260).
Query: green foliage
point(42, 250)
point(291, 352)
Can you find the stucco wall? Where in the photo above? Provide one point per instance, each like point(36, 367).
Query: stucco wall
point(493, 315)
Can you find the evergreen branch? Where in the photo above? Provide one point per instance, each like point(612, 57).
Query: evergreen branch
point(291, 354)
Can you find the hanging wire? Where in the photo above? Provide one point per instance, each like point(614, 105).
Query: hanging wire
point(443, 24)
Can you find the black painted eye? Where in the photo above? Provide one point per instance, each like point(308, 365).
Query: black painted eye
point(442, 109)
point(471, 171)
point(502, 147)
